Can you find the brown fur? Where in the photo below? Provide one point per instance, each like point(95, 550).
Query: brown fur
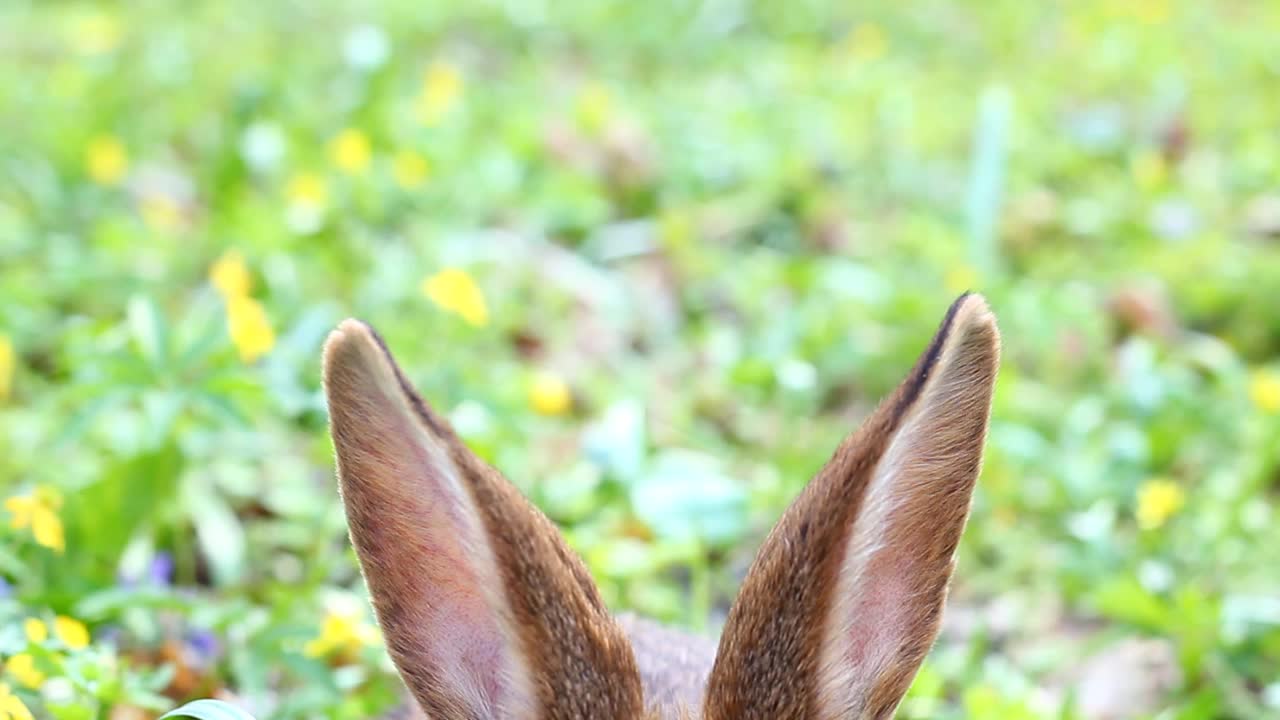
point(582, 664)
point(793, 642)
point(767, 664)
point(673, 665)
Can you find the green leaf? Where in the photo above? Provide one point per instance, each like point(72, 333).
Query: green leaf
point(69, 711)
point(85, 415)
point(219, 532)
point(1127, 601)
point(150, 332)
point(617, 441)
point(102, 604)
point(137, 488)
point(208, 710)
point(687, 493)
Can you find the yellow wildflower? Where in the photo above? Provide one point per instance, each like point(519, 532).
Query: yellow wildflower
point(440, 88)
point(249, 327)
point(340, 632)
point(230, 275)
point(247, 321)
point(868, 42)
point(8, 363)
point(594, 105)
point(1264, 390)
point(455, 290)
point(38, 511)
point(106, 160)
point(11, 707)
point(307, 189)
point(1158, 500)
point(410, 169)
point(71, 632)
point(549, 394)
point(22, 667)
point(35, 630)
point(350, 151)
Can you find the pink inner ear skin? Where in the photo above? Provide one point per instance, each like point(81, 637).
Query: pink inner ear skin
point(479, 648)
point(440, 556)
point(899, 554)
point(420, 541)
point(877, 618)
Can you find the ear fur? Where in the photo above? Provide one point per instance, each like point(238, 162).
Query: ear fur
point(844, 598)
point(486, 612)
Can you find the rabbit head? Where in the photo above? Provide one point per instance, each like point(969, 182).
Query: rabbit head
point(488, 614)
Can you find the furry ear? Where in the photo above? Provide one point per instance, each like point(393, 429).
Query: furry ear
point(844, 599)
point(486, 612)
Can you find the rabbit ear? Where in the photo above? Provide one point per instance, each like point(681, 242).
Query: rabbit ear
point(843, 601)
point(486, 612)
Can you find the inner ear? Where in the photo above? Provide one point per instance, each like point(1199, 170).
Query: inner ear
point(843, 599)
point(899, 555)
point(487, 612)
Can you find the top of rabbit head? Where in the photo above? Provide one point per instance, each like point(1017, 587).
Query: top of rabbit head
point(488, 614)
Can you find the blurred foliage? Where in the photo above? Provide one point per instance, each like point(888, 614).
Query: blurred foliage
point(655, 259)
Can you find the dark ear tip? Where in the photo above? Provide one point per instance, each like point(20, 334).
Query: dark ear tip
point(970, 312)
point(967, 299)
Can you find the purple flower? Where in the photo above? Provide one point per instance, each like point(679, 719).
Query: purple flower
point(204, 644)
point(161, 570)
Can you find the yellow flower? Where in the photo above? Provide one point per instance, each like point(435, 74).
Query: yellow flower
point(867, 42)
point(340, 631)
point(71, 632)
point(454, 290)
point(106, 160)
point(11, 707)
point(8, 363)
point(1264, 390)
point(230, 275)
point(594, 105)
point(442, 85)
point(307, 189)
point(249, 327)
point(38, 511)
point(410, 169)
point(247, 321)
point(36, 631)
point(549, 394)
point(1158, 500)
point(350, 151)
point(22, 667)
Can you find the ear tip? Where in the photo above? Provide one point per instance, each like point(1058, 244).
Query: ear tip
point(969, 301)
point(347, 340)
point(971, 312)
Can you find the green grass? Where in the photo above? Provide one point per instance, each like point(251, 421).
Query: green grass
point(727, 227)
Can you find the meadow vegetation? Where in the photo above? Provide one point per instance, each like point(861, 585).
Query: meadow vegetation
point(654, 259)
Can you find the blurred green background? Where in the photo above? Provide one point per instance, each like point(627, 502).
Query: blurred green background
point(654, 259)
